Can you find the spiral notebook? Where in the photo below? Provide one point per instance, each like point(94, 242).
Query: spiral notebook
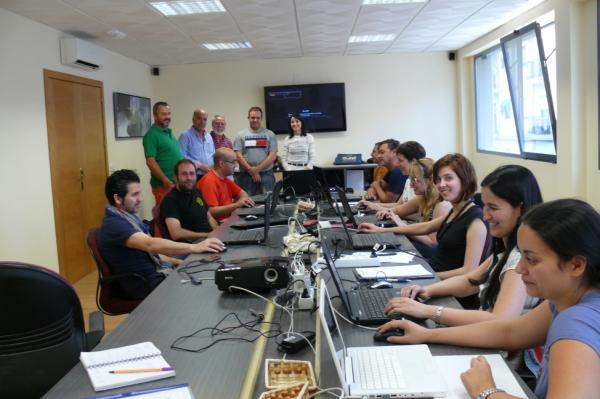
point(132, 357)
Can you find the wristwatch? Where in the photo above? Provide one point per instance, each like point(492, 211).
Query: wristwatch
point(484, 394)
point(438, 314)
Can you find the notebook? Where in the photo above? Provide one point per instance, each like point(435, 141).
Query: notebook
point(179, 391)
point(400, 371)
point(139, 356)
point(364, 306)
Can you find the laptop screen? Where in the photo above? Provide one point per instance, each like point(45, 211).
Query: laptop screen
point(337, 280)
point(347, 209)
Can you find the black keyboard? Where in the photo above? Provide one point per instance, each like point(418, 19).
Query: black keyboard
point(247, 235)
point(369, 240)
point(374, 301)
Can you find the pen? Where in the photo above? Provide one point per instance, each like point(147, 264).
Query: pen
point(154, 370)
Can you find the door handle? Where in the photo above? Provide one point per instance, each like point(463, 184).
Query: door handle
point(81, 177)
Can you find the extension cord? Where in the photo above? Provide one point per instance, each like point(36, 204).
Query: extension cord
point(307, 299)
point(299, 284)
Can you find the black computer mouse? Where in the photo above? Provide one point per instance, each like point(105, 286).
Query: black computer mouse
point(382, 337)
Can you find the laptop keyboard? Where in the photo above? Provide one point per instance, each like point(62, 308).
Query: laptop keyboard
point(380, 370)
point(368, 240)
point(374, 301)
point(247, 235)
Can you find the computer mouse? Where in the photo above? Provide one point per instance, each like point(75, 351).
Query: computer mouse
point(382, 284)
point(251, 217)
point(382, 337)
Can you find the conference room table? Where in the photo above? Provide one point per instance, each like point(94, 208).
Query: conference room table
point(229, 368)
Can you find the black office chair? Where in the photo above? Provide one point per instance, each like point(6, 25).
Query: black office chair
point(41, 329)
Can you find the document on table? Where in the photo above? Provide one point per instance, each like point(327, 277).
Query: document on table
point(403, 271)
point(452, 366)
point(179, 391)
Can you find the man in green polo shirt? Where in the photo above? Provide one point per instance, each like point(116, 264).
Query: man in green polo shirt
point(162, 151)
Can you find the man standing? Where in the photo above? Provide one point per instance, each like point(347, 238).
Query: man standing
point(218, 133)
point(125, 244)
point(196, 145)
point(161, 150)
point(221, 194)
point(390, 188)
point(183, 209)
point(256, 150)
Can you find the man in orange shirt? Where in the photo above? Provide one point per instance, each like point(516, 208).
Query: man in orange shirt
point(221, 194)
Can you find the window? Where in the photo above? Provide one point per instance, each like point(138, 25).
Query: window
point(514, 83)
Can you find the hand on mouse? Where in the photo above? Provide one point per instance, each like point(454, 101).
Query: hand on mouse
point(413, 333)
point(410, 307)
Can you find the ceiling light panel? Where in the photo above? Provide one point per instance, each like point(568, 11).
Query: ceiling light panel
point(227, 46)
point(371, 38)
point(171, 8)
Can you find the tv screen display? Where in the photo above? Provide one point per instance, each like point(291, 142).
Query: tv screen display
point(321, 106)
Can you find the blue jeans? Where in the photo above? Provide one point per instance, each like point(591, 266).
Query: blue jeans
point(266, 184)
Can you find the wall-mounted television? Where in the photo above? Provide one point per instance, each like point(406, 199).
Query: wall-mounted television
point(322, 106)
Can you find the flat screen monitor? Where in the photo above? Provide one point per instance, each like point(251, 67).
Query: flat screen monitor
point(322, 106)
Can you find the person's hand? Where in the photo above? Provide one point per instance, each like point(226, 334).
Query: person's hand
point(384, 214)
point(415, 291)
point(397, 219)
point(245, 201)
point(203, 167)
point(371, 194)
point(413, 333)
point(479, 377)
point(168, 184)
point(209, 245)
point(369, 228)
point(254, 174)
point(407, 306)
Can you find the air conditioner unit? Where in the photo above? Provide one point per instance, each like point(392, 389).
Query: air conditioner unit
point(81, 54)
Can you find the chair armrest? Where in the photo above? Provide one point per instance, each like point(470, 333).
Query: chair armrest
point(96, 330)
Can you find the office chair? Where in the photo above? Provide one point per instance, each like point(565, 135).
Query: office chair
point(160, 226)
point(41, 329)
point(108, 297)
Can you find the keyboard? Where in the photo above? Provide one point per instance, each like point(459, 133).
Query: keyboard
point(374, 301)
point(378, 369)
point(361, 241)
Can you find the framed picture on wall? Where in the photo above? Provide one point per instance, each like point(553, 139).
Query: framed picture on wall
point(132, 115)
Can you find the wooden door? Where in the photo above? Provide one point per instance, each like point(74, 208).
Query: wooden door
point(77, 149)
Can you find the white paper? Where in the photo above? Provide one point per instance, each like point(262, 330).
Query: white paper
point(398, 257)
point(403, 271)
point(452, 366)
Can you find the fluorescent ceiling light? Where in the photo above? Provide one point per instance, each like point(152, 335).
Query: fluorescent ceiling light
point(371, 38)
point(227, 46)
point(375, 2)
point(170, 8)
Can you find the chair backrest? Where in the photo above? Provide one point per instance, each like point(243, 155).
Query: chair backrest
point(41, 329)
point(159, 224)
point(108, 297)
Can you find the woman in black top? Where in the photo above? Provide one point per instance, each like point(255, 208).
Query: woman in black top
point(461, 234)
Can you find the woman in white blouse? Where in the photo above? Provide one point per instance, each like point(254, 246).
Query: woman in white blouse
point(298, 148)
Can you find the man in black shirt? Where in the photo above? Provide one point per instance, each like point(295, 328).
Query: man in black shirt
point(183, 209)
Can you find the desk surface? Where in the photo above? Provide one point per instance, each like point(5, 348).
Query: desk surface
point(229, 369)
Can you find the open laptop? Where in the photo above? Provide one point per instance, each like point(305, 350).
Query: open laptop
point(364, 305)
point(303, 182)
point(358, 219)
point(259, 210)
point(249, 236)
point(401, 371)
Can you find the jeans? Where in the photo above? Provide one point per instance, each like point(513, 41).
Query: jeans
point(266, 184)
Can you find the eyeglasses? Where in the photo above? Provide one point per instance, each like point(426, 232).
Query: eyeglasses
point(232, 162)
point(415, 180)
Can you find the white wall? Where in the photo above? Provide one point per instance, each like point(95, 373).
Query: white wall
point(576, 172)
point(404, 96)
point(27, 230)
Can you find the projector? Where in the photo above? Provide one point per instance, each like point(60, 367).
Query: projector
point(255, 274)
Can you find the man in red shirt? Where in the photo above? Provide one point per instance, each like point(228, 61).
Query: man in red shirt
point(221, 194)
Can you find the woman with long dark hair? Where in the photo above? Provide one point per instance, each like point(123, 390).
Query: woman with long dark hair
point(560, 262)
point(507, 193)
point(298, 152)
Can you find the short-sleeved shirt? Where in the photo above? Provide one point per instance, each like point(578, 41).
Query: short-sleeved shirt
point(160, 144)
point(452, 240)
point(221, 141)
point(114, 233)
point(218, 191)
point(187, 207)
point(580, 322)
point(396, 180)
point(196, 149)
point(255, 146)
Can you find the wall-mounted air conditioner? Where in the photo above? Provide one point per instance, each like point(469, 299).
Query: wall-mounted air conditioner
point(81, 54)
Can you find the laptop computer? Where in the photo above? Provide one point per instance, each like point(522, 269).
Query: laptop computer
point(358, 219)
point(364, 305)
point(301, 182)
point(400, 371)
point(249, 236)
point(260, 210)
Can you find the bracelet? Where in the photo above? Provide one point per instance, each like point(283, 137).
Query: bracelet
point(487, 392)
point(438, 314)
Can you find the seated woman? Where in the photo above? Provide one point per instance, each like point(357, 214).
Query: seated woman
point(298, 151)
point(560, 262)
point(461, 234)
point(508, 192)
